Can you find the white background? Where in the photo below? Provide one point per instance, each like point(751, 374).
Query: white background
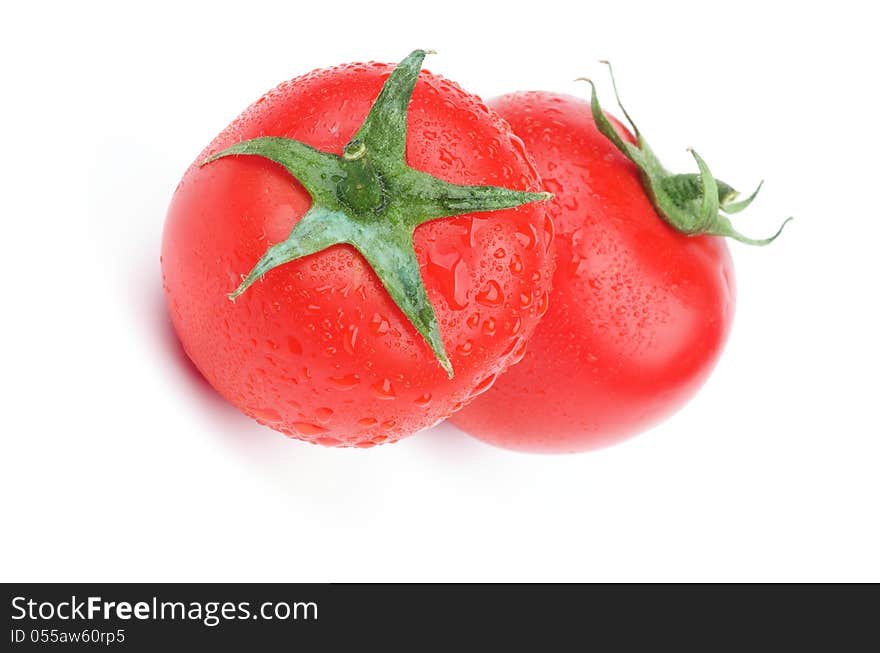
point(118, 463)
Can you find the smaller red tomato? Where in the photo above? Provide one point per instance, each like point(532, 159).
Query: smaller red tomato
point(639, 312)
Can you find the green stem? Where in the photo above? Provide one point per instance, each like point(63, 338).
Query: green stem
point(691, 203)
point(371, 199)
point(361, 189)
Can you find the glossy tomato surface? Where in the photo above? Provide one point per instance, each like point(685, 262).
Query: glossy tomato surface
point(638, 315)
point(317, 349)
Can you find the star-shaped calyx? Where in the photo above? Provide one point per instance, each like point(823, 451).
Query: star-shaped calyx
point(371, 199)
point(692, 203)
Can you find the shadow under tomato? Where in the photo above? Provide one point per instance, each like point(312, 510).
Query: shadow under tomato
point(175, 352)
point(235, 427)
point(443, 443)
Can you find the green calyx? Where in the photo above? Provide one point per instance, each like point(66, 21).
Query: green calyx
point(371, 199)
point(692, 203)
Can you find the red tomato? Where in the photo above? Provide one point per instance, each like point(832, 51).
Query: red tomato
point(317, 349)
point(638, 314)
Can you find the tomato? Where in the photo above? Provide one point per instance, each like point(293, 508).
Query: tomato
point(317, 348)
point(639, 312)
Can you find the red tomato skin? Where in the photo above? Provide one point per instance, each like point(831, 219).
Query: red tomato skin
point(639, 312)
point(317, 349)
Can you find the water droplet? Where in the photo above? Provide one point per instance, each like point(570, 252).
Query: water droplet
point(307, 428)
point(465, 348)
point(525, 299)
point(451, 273)
point(424, 400)
point(470, 235)
point(346, 382)
point(330, 351)
point(500, 253)
point(543, 304)
point(350, 339)
point(324, 414)
point(491, 294)
point(516, 325)
point(474, 320)
point(527, 235)
point(552, 186)
point(379, 325)
point(446, 157)
point(328, 442)
point(388, 424)
point(489, 327)
point(368, 421)
point(266, 415)
point(516, 264)
point(549, 231)
point(518, 352)
point(384, 390)
point(484, 385)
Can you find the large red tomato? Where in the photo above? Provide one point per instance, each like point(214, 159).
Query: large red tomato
point(638, 314)
point(317, 348)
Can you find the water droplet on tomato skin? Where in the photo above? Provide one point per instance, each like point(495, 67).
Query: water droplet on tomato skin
point(324, 414)
point(473, 320)
point(451, 274)
point(491, 294)
point(424, 400)
point(379, 325)
point(349, 342)
point(465, 348)
point(483, 385)
point(489, 327)
point(307, 428)
point(549, 232)
point(527, 236)
point(515, 326)
point(266, 415)
point(552, 186)
point(518, 352)
point(508, 351)
point(328, 442)
point(384, 390)
point(516, 264)
point(346, 382)
point(368, 421)
point(542, 305)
